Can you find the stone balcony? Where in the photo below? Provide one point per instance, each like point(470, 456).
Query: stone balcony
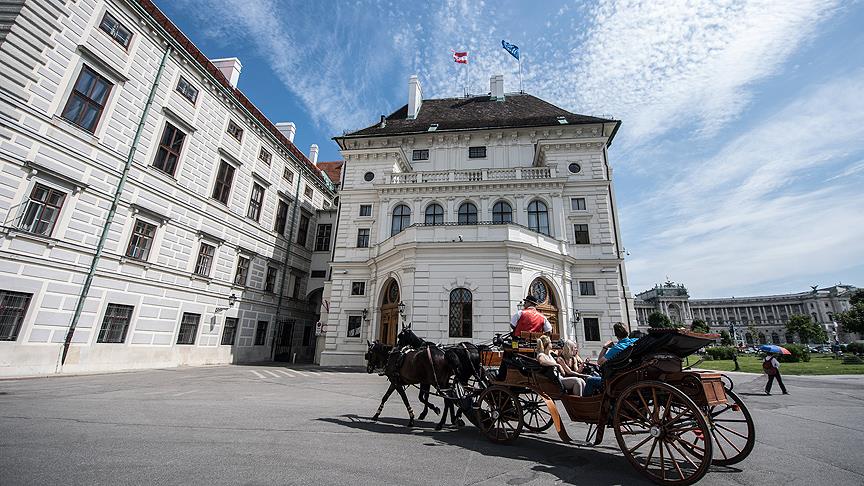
point(483, 231)
point(473, 175)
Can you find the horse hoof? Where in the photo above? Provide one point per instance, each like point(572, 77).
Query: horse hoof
point(375, 418)
point(421, 416)
point(411, 423)
point(438, 427)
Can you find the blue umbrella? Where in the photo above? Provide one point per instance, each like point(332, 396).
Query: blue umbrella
point(770, 348)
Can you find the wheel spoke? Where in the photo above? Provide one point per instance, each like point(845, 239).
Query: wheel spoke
point(718, 445)
point(635, 432)
point(662, 463)
point(630, 451)
point(739, 421)
point(655, 413)
point(728, 441)
point(673, 460)
point(732, 431)
point(650, 453)
point(685, 455)
point(647, 408)
point(714, 414)
point(667, 409)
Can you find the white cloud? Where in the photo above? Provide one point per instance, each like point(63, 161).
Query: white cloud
point(754, 212)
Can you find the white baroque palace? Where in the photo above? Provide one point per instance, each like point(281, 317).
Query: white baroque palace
point(145, 201)
point(754, 320)
point(452, 209)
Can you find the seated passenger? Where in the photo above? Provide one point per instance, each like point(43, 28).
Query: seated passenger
point(609, 351)
point(572, 384)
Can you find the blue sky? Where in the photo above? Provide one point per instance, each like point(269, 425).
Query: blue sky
point(739, 166)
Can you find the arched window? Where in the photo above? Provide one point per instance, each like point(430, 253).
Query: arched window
point(467, 213)
point(502, 212)
point(790, 338)
point(401, 219)
point(460, 313)
point(749, 338)
point(434, 214)
point(762, 339)
point(538, 217)
point(775, 338)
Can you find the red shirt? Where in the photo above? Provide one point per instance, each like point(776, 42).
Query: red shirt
point(531, 320)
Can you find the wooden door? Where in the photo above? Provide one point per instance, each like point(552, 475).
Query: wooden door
point(390, 314)
point(541, 291)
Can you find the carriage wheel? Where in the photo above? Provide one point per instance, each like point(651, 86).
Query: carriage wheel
point(499, 414)
point(535, 413)
point(732, 430)
point(465, 401)
point(656, 425)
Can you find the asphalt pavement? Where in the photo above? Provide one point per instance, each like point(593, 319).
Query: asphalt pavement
point(309, 425)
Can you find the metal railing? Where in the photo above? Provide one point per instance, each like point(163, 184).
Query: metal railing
point(473, 175)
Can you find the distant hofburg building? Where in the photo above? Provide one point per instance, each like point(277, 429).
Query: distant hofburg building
point(767, 314)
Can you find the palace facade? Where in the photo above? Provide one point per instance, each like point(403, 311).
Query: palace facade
point(146, 203)
point(452, 210)
point(767, 315)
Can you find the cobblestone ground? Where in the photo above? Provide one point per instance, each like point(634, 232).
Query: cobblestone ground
point(309, 425)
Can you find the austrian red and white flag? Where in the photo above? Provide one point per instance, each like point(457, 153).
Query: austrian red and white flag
point(460, 57)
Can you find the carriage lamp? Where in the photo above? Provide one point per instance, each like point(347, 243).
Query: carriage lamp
point(576, 316)
point(365, 314)
point(231, 300)
point(402, 308)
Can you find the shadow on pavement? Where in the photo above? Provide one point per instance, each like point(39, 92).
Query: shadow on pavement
point(571, 463)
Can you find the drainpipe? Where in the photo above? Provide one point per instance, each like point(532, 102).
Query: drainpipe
point(111, 212)
point(285, 266)
point(617, 236)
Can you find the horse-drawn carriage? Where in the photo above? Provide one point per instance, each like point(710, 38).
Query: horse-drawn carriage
point(670, 423)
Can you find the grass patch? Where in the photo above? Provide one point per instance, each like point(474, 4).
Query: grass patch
point(818, 365)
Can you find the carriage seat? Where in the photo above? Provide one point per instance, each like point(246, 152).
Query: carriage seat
point(530, 369)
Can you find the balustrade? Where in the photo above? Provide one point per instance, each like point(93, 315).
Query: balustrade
point(474, 175)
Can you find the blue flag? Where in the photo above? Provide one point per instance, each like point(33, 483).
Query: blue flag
point(513, 50)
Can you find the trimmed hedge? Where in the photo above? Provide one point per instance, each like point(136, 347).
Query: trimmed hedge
point(721, 352)
point(852, 359)
point(799, 353)
point(857, 348)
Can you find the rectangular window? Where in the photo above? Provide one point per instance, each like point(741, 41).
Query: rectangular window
point(261, 333)
point(256, 200)
point(188, 328)
point(141, 241)
point(115, 323)
point(205, 259)
point(270, 281)
point(307, 336)
point(281, 217)
point(322, 237)
point(303, 230)
point(230, 331)
point(477, 152)
point(295, 292)
point(577, 203)
point(13, 307)
point(111, 26)
point(586, 288)
point(358, 288)
point(287, 174)
point(354, 324)
point(169, 149)
point(363, 238)
point(242, 270)
point(592, 328)
point(87, 100)
point(309, 192)
point(235, 131)
point(319, 273)
point(581, 234)
point(40, 212)
point(365, 210)
point(224, 179)
point(265, 156)
point(422, 154)
point(185, 88)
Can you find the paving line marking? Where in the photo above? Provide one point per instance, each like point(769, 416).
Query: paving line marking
point(285, 373)
point(301, 373)
point(259, 375)
point(272, 374)
point(184, 393)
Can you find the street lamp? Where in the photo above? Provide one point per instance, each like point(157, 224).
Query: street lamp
point(365, 315)
point(402, 309)
point(231, 300)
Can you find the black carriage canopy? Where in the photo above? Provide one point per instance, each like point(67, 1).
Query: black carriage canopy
point(679, 342)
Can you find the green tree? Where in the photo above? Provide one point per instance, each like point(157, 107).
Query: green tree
point(725, 338)
point(806, 329)
point(659, 320)
point(699, 326)
point(853, 319)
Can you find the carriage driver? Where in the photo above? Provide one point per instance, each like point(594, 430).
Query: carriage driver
point(529, 319)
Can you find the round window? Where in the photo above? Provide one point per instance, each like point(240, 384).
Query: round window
point(368, 176)
point(574, 168)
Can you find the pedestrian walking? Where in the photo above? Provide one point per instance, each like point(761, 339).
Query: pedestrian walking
point(772, 368)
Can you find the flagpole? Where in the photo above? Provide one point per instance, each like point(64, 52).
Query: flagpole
point(520, 75)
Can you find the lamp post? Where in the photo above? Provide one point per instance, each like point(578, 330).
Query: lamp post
point(402, 309)
point(231, 300)
point(365, 314)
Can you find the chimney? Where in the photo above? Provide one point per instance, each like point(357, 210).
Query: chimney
point(288, 129)
point(383, 122)
point(496, 87)
point(415, 97)
point(313, 153)
point(230, 68)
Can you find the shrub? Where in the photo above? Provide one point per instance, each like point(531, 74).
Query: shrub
point(658, 320)
point(857, 348)
point(799, 353)
point(852, 359)
point(721, 352)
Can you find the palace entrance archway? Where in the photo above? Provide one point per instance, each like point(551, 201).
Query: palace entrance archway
point(542, 291)
point(389, 324)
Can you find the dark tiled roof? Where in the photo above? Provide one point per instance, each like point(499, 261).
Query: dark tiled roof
point(333, 170)
point(517, 110)
point(208, 66)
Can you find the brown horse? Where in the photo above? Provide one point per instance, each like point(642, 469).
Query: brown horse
point(422, 367)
